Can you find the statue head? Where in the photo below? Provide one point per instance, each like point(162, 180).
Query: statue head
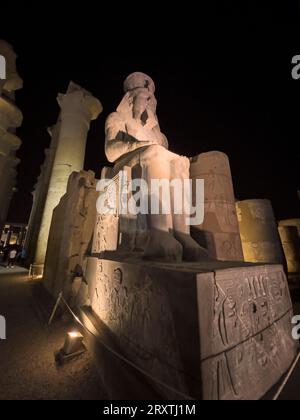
point(139, 89)
point(139, 80)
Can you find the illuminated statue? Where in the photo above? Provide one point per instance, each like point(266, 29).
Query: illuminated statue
point(134, 139)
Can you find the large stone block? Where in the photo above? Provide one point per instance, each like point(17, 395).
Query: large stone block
point(220, 230)
point(214, 331)
point(71, 234)
point(289, 235)
point(259, 233)
point(291, 222)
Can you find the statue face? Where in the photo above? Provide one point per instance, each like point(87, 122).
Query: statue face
point(143, 101)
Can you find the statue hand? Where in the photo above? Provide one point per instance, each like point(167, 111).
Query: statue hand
point(145, 143)
point(138, 144)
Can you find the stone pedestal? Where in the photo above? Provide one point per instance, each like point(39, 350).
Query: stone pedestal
point(71, 233)
point(220, 231)
point(213, 331)
point(78, 109)
point(259, 233)
point(289, 231)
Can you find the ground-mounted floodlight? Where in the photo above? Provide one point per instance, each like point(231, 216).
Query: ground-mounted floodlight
point(73, 342)
point(72, 348)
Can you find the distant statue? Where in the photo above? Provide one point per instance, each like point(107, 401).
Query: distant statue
point(134, 139)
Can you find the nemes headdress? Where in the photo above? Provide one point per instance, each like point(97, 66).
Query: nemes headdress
point(139, 80)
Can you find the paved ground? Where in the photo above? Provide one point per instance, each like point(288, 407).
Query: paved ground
point(27, 366)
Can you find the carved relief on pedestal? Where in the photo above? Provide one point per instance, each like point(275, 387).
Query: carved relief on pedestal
point(251, 331)
point(253, 366)
point(106, 234)
point(231, 341)
point(246, 307)
point(130, 306)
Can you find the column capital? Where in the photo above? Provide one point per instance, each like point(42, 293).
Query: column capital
point(79, 101)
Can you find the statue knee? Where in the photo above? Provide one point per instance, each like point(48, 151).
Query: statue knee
point(152, 151)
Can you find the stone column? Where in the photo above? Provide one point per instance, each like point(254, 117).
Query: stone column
point(258, 227)
point(220, 230)
point(8, 186)
point(78, 108)
point(291, 222)
point(10, 118)
point(39, 195)
point(289, 231)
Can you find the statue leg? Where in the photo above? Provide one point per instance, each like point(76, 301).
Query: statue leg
point(161, 243)
point(168, 235)
point(192, 251)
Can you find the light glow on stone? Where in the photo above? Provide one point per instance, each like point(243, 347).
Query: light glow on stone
point(74, 334)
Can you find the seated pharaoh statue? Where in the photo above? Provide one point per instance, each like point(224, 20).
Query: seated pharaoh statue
point(134, 139)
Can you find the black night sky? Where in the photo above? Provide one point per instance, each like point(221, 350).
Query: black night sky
point(223, 83)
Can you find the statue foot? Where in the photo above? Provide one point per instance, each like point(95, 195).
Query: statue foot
point(163, 246)
point(192, 251)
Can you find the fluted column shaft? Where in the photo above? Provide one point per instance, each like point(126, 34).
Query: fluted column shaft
point(78, 109)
